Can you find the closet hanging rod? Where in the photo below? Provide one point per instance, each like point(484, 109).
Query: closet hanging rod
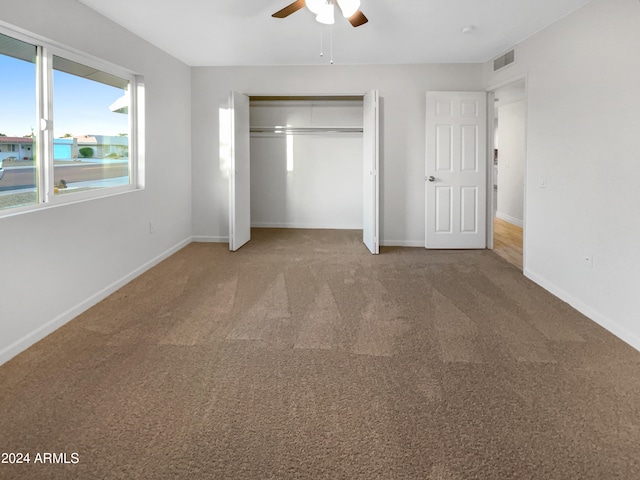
point(305, 130)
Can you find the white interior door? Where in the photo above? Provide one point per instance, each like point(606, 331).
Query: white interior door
point(456, 169)
point(371, 161)
point(239, 172)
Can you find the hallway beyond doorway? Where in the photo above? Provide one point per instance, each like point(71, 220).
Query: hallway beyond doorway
point(507, 241)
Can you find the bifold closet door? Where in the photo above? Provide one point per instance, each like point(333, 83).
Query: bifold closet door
point(239, 172)
point(371, 160)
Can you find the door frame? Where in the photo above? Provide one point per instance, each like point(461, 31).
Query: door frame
point(334, 96)
point(491, 90)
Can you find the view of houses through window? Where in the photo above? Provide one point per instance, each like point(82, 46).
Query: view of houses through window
point(89, 145)
point(18, 113)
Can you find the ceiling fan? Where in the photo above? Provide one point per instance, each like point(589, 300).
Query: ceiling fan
point(325, 10)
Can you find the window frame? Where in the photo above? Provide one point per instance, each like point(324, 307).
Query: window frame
point(44, 122)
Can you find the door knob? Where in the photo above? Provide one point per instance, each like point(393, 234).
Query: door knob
point(432, 178)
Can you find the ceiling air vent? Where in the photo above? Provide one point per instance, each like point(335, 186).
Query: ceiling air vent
point(504, 60)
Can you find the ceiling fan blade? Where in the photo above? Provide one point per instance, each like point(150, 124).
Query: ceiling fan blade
point(289, 9)
point(358, 19)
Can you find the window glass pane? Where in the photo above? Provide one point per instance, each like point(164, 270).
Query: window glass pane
point(18, 179)
point(91, 128)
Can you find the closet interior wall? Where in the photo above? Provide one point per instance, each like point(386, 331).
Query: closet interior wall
point(306, 163)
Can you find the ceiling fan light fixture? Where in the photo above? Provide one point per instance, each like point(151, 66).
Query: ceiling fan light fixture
point(349, 7)
point(326, 14)
point(315, 5)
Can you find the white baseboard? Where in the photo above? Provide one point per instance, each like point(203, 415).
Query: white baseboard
point(208, 239)
point(39, 333)
point(510, 219)
point(402, 243)
point(307, 226)
point(620, 332)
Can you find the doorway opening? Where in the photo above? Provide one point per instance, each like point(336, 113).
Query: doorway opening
point(508, 171)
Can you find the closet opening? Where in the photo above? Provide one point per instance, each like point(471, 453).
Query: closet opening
point(312, 164)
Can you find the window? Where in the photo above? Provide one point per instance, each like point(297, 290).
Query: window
point(17, 120)
point(67, 126)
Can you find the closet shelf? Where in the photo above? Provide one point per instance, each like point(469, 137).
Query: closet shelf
point(304, 130)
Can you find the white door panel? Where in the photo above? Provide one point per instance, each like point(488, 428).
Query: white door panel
point(239, 172)
point(371, 160)
point(456, 170)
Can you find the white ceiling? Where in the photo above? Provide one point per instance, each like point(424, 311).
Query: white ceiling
point(242, 32)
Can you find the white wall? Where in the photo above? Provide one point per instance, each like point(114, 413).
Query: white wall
point(58, 261)
point(511, 125)
point(402, 89)
point(306, 180)
point(583, 139)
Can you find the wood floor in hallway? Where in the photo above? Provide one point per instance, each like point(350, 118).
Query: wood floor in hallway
point(507, 241)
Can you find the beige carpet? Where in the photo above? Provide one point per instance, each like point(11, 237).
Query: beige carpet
point(303, 356)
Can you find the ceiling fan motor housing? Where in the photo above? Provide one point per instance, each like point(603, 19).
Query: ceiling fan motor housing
point(324, 10)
